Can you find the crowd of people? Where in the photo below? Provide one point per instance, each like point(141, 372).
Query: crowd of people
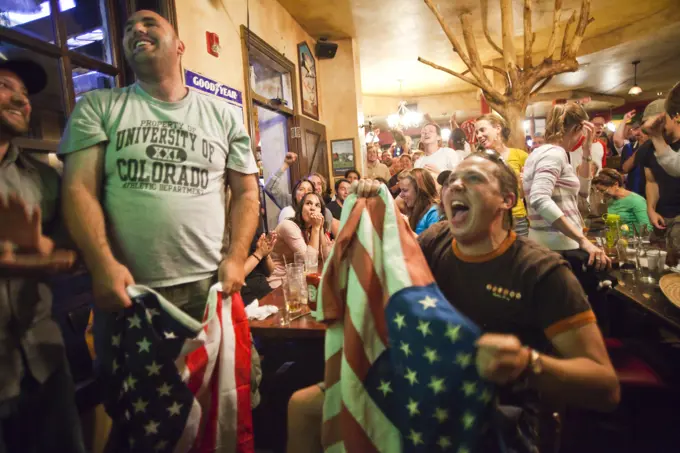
point(500, 228)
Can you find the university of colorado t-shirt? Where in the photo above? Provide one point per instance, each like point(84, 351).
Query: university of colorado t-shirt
point(164, 177)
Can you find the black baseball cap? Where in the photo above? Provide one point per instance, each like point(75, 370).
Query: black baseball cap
point(31, 73)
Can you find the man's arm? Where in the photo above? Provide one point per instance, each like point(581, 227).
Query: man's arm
point(272, 186)
point(84, 218)
point(582, 373)
point(629, 164)
point(652, 192)
point(619, 135)
point(245, 204)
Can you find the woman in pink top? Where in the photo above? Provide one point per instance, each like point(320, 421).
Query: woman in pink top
point(304, 232)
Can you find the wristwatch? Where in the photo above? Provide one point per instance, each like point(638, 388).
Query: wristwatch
point(535, 365)
point(588, 159)
point(534, 368)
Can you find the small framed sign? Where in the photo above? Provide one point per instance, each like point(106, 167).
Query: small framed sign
point(308, 87)
point(342, 156)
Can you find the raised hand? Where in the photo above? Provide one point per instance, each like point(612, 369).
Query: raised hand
point(290, 159)
point(629, 116)
point(22, 226)
point(317, 220)
point(588, 131)
point(654, 126)
point(365, 188)
point(501, 358)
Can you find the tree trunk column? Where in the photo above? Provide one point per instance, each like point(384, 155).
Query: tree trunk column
point(514, 114)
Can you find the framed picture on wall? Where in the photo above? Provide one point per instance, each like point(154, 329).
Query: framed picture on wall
point(308, 87)
point(342, 156)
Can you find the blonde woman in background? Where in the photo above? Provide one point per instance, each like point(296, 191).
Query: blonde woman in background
point(552, 186)
point(492, 133)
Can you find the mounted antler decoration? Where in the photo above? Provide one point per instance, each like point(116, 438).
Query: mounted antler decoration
point(521, 83)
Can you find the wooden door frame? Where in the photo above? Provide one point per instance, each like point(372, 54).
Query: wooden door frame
point(296, 122)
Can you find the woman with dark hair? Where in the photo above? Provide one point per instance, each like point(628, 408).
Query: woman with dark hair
point(300, 189)
point(284, 200)
point(552, 186)
point(493, 133)
point(304, 232)
point(630, 206)
point(352, 175)
point(419, 196)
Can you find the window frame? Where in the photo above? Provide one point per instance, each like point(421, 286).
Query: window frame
point(66, 58)
point(251, 42)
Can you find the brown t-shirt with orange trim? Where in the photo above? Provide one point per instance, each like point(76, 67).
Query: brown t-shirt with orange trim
point(522, 288)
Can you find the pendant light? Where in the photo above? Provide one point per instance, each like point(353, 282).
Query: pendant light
point(635, 89)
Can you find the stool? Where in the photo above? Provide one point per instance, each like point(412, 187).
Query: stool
point(631, 370)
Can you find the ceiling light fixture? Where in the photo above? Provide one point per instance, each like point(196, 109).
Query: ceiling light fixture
point(404, 118)
point(635, 89)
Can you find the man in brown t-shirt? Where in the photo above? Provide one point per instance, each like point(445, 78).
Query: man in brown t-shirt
point(523, 296)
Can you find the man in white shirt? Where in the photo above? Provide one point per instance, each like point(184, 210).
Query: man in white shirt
point(597, 152)
point(436, 159)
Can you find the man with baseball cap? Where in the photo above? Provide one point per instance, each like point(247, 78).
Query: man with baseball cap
point(37, 405)
point(663, 189)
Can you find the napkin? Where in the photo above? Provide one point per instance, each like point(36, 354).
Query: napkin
point(255, 311)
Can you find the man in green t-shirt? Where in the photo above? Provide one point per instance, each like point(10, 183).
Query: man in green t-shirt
point(146, 172)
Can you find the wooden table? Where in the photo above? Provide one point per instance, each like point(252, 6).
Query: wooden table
point(271, 327)
point(648, 297)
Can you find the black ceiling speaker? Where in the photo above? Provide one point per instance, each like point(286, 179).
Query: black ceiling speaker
point(325, 50)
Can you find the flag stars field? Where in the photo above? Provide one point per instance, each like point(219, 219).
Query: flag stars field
point(169, 335)
point(154, 369)
point(453, 333)
point(140, 405)
point(174, 409)
point(441, 414)
point(416, 437)
point(384, 387)
point(151, 427)
point(400, 321)
point(485, 396)
point(424, 328)
point(144, 345)
point(164, 390)
point(411, 376)
point(437, 385)
point(428, 302)
point(431, 355)
point(464, 360)
point(406, 349)
point(135, 322)
point(468, 420)
point(131, 382)
point(469, 388)
point(412, 407)
point(444, 442)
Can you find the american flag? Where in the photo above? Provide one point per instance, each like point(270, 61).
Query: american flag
point(400, 369)
point(179, 385)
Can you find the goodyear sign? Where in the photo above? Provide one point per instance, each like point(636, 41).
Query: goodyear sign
point(213, 87)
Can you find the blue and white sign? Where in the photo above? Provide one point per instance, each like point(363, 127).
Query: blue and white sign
point(207, 85)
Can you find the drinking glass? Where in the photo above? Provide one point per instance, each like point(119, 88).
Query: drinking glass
point(312, 262)
point(300, 258)
point(295, 289)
